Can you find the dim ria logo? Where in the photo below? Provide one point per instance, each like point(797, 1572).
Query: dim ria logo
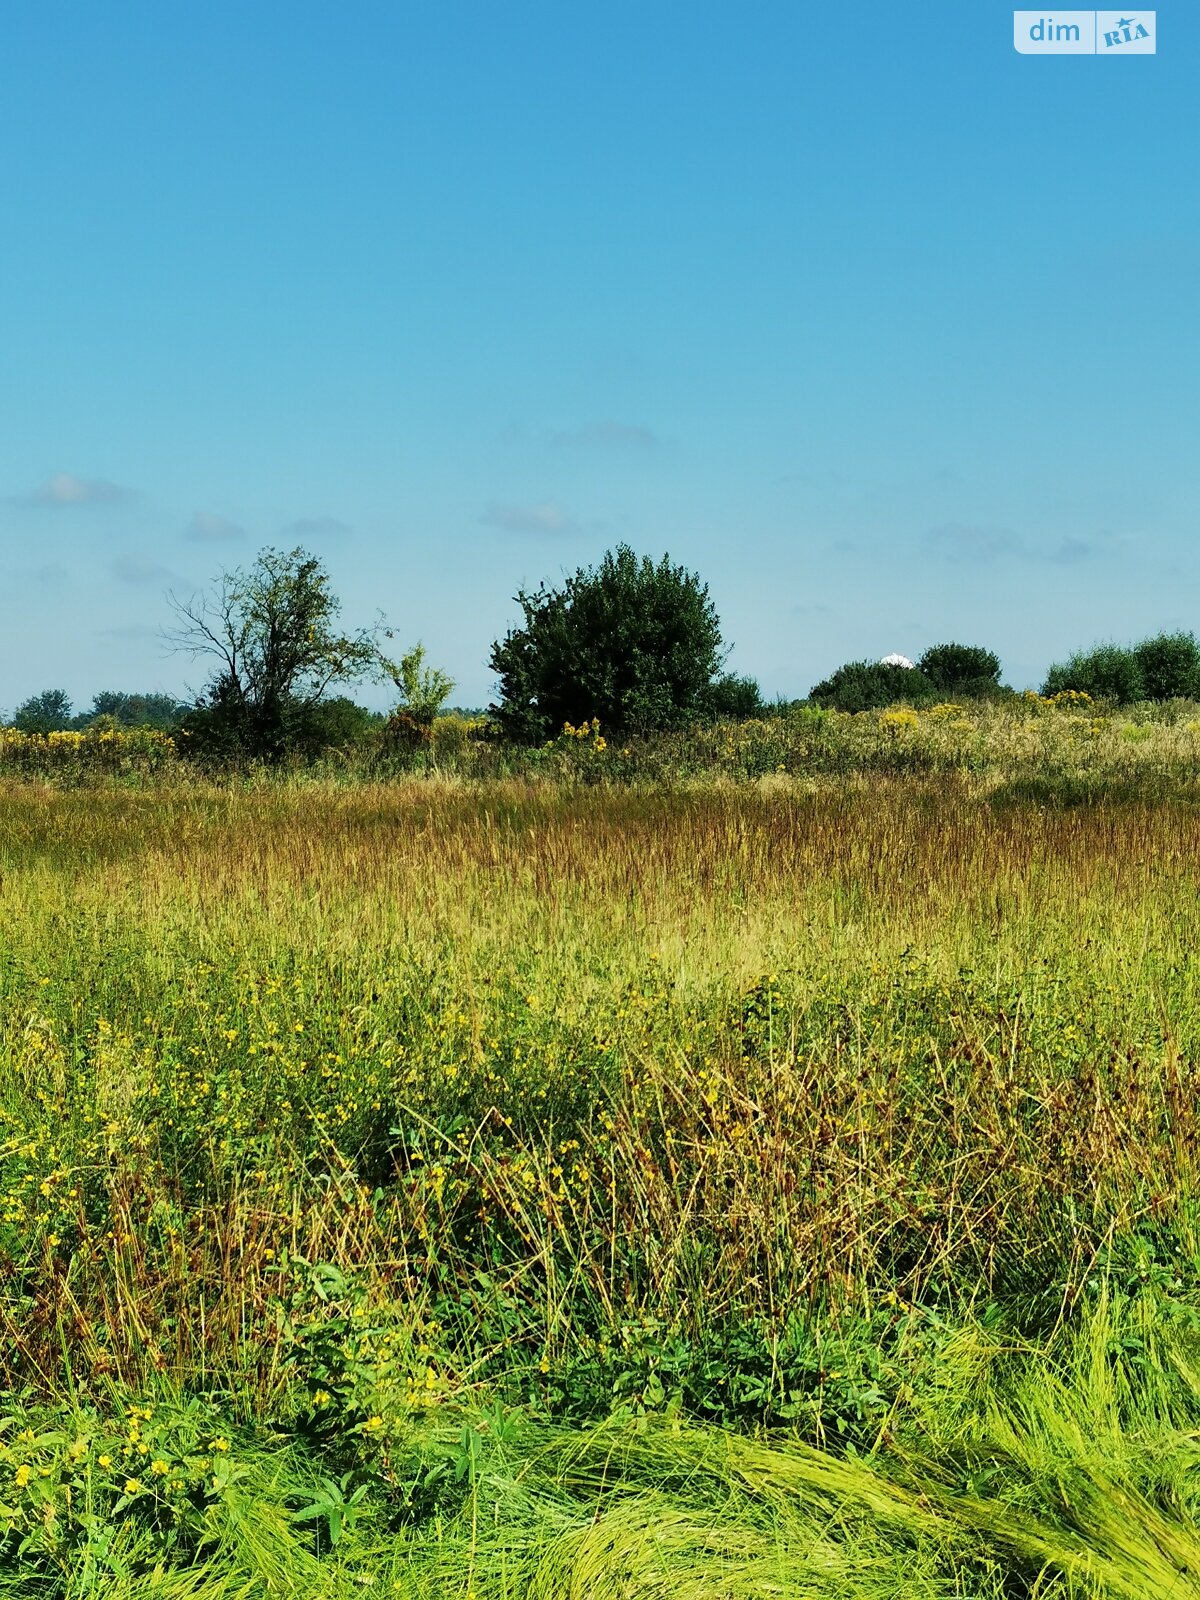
point(1084, 33)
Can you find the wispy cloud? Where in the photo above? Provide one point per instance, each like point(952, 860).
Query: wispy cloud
point(139, 569)
point(1072, 550)
point(131, 630)
point(970, 544)
point(65, 489)
point(541, 516)
point(208, 528)
point(50, 574)
point(608, 434)
point(315, 528)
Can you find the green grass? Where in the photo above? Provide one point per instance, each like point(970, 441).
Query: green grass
point(1065, 1470)
point(759, 1189)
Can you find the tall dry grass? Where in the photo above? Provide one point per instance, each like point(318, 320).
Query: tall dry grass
point(693, 1060)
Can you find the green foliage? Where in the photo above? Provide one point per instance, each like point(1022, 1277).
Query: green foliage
point(103, 1497)
point(870, 685)
point(1170, 666)
point(961, 670)
point(734, 699)
point(1107, 672)
point(635, 644)
point(337, 723)
point(122, 710)
point(335, 1504)
point(48, 712)
point(423, 690)
point(825, 1381)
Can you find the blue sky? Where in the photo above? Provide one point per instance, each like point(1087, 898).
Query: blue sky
point(889, 332)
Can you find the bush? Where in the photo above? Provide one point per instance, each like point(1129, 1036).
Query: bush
point(220, 734)
point(1108, 672)
point(965, 671)
point(869, 685)
point(734, 699)
point(1170, 666)
point(337, 724)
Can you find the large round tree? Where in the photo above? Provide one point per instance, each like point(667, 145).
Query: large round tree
point(631, 642)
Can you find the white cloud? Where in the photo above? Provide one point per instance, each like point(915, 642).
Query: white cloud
point(208, 528)
point(65, 489)
point(542, 516)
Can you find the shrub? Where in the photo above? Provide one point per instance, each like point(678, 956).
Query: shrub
point(1107, 672)
point(966, 670)
point(869, 686)
point(1170, 666)
point(734, 699)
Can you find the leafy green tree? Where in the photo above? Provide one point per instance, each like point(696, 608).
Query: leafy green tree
point(967, 670)
point(48, 712)
point(1170, 666)
point(1107, 672)
point(135, 710)
point(632, 642)
point(271, 633)
point(871, 685)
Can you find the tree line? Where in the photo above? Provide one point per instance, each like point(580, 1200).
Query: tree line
point(633, 642)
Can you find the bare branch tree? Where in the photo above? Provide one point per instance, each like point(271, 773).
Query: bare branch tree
point(270, 632)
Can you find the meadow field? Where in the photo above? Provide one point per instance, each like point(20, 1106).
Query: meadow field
point(776, 1181)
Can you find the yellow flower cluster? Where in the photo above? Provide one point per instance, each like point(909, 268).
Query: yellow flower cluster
point(84, 738)
point(83, 751)
point(1064, 697)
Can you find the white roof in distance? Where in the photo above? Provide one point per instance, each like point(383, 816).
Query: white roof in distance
point(896, 660)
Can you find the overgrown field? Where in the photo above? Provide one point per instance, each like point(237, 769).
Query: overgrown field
point(532, 1189)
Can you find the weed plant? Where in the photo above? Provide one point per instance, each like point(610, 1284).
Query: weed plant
point(530, 1188)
